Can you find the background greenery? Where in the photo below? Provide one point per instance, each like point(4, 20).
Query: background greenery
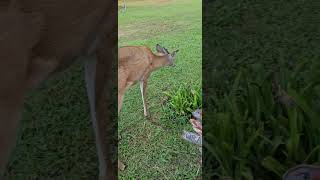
point(262, 97)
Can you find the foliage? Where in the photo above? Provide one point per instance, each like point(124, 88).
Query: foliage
point(183, 100)
point(251, 130)
point(256, 135)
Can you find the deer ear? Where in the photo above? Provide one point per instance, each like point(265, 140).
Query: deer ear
point(159, 48)
point(174, 52)
point(165, 51)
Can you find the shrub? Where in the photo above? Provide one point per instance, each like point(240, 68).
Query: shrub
point(258, 131)
point(183, 101)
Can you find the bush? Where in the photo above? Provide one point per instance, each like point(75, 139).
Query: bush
point(183, 101)
point(266, 123)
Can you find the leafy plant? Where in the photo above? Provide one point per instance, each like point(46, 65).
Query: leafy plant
point(261, 91)
point(184, 100)
point(255, 134)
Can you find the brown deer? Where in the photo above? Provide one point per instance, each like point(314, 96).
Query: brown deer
point(135, 64)
point(41, 37)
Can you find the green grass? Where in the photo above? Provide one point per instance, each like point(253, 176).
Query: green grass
point(56, 138)
point(149, 151)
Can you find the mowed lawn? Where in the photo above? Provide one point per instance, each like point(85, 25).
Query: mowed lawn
point(56, 139)
point(149, 151)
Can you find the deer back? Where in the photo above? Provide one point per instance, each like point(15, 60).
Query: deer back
point(134, 62)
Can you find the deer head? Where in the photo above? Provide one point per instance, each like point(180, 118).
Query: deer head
point(162, 51)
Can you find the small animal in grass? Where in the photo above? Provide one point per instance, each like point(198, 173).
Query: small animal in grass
point(135, 64)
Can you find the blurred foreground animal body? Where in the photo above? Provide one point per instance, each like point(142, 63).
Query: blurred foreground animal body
point(41, 37)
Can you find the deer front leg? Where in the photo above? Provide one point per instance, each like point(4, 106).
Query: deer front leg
point(120, 100)
point(12, 91)
point(19, 33)
point(9, 123)
point(143, 89)
point(121, 90)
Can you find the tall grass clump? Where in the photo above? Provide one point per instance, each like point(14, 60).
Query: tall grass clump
point(182, 101)
point(267, 122)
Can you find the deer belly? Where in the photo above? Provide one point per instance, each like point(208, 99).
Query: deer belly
point(135, 76)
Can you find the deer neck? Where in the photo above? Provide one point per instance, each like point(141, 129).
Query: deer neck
point(159, 61)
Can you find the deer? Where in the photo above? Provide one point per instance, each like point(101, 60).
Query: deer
point(135, 64)
point(40, 38)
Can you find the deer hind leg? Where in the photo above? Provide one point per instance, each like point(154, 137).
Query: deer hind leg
point(106, 116)
point(90, 73)
point(143, 89)
point(98, 116)
point(99, 82)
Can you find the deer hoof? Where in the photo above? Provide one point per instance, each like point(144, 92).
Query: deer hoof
point(121, 166)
